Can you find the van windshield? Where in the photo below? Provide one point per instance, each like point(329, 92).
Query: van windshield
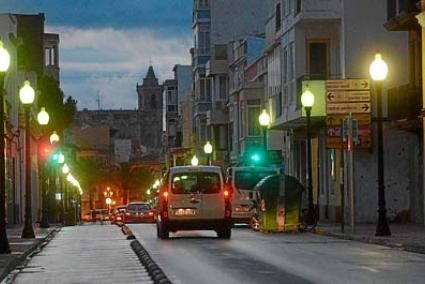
point(187, 183)
point(248, 179)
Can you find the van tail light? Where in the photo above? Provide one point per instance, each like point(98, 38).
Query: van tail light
point(227, 204)
point(150, 213)
point(164, 213)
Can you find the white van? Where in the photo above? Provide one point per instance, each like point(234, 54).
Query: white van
point(194, 198)
point(243, 181)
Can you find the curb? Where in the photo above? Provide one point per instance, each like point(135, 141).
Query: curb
point(38, 245)
point(155, 272)
point(405, 247)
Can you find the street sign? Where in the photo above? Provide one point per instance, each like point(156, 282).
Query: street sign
point(350, 84)
point(347, 96)
point(336, 119)
point(344, 108)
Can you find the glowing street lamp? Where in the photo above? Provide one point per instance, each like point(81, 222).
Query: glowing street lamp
point(65, 169)
point(379, 71)
point(208, 149)
point(264, 120)
point(194, 161)
point(4, 66)
point(43, 117)
point(307, 100)
point(54, 138)
point(27, 95)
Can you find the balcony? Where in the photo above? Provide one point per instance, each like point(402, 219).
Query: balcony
point(401, 15)
point(217, 117)
point(404, 103)
point(317, 10)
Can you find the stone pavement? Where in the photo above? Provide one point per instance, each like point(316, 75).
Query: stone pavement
point(85, 254)
point(21, 248)
point(407, 237)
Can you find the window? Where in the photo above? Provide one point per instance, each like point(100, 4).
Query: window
point(139, 207)
point(279, 104)
point(203, 40)
point(248, 179)
point(285, 65)
point(187, 183)
point(49, 56)
point(172, 108)
point(222, 87)
point(278, 18)
point(253, 112)
point(153, 101)
point(205, 91)
point(203, 4)
point(317, 60)
point(298, 8)
point(220, 52)
point(291, 65)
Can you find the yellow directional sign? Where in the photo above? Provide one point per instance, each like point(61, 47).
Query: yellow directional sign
point(350, 84)
point(348, 107)
point(347, 96)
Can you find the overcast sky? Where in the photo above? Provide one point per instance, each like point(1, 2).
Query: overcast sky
point(106, 45)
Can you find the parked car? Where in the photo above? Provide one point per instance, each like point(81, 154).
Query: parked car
point(139, 212)
point(194, 198)
point(99, 215)
point(117, 214)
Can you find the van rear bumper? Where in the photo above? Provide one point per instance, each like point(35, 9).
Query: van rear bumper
point(197, 224)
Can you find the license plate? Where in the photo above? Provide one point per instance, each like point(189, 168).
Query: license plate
point(185, 212)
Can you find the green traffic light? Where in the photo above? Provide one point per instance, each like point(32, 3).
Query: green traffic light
point(255, 158)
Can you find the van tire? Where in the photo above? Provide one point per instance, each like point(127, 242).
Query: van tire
point(162, 231)
point(224, 232)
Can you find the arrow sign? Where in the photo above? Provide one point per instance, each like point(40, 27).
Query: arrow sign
point(350, 84)
point(341, 108)
point(347, 96)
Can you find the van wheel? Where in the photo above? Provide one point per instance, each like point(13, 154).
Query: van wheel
point(162, 231)
point(225, 232)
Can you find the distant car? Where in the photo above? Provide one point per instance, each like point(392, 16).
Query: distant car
point(194, 198)
point(117, 214)
point(99, 215)
point(139, 212)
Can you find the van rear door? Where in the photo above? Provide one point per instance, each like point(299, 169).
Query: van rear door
point(211, 187)
point(185, 200)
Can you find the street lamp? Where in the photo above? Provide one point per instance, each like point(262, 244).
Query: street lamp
point(379, 71)
point(194, 161)
point(264, 120)
point(4, 66)
point(307, 100)
point(54, 138)
point(65, 169)
point(208, 149)
point(26, 95)
point(43, 120)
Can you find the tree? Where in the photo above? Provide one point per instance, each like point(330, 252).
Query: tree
point(52, 98)
point(132, 180)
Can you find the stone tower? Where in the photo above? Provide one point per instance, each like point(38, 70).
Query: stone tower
point(150, 112)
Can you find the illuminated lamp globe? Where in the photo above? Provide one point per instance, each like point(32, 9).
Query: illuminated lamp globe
point(4, 58)
point(26, 94)
point(378, 68)
point(208, 148)
point(61, 158)
point(54, 138)
point(264, 118)
point(307, 98)
point(108, 201)
point(43, 117)
point(65, 169)
point(194, 161)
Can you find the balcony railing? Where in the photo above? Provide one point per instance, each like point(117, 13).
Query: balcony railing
point(401, 15)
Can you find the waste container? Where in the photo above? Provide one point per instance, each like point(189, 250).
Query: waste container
point(269, 212)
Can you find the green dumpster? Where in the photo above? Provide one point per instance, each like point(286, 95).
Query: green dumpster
point(276, 213)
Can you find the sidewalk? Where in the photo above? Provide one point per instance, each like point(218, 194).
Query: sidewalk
point(407, 237)
point(21, 248)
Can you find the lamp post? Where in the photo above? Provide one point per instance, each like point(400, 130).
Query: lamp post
point(264, 120)
point(307, 100)
point(26, 95)
point(378, 71)
point(108, 200)
point(63, 189)
point(208, 149)
point(43, 120)
point(4, 66)
point(54, 139)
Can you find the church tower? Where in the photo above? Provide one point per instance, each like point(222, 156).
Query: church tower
point(150, 113)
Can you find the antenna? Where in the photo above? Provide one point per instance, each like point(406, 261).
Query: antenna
point(98, 99)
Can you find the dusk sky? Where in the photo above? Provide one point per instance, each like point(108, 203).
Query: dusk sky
point(106, 45)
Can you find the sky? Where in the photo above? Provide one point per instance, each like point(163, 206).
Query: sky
point(106, 46)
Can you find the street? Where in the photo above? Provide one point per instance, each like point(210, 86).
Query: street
point(199, 257)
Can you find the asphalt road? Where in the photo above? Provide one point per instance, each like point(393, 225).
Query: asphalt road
point(199, 257)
